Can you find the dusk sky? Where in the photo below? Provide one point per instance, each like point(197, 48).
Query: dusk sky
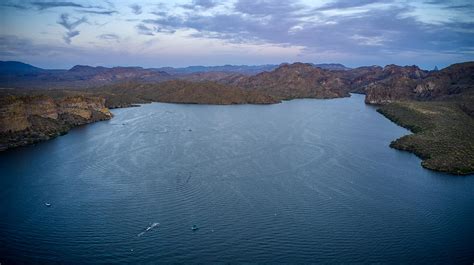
point(60, 34)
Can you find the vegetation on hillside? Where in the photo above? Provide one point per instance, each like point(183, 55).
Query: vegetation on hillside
point(443, 134)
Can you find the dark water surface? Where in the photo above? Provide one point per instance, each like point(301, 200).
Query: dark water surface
point(303, 181)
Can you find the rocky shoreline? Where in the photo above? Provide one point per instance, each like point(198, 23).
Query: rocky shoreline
point(26, 120)
point(442, 134)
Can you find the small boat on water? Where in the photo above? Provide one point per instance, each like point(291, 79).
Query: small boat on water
point(194, 228)
point(47, 204)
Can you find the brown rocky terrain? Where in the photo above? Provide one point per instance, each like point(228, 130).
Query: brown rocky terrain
point(362, 76)
point(219, 77)
point(452, 80)
point(29, 119)
point(394, 83)
point(297, 80)
point(180, 91)
point(404, 83)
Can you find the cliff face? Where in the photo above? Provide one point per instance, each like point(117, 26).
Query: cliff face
point(13, 115)
point(29, 119)
point(395, 83)
point(297, 80)
point(452, 80)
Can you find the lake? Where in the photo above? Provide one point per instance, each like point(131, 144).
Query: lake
point(303, 181)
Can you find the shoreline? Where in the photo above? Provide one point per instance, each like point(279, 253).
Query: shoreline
point(385, 110)
point(438, 136)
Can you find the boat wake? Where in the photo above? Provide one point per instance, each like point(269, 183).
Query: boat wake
point(148, 229)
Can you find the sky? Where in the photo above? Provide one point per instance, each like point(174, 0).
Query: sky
point(64, 33)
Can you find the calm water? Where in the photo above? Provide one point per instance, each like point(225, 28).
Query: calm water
point(302, 181)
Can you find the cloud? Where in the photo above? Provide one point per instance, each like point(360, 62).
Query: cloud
point(45, 5)
point(110, 37)
point(142, 29)
point(42, 5)
point(136, 9)
point(110, 4)
point(70, 26)
point(11, 45)
point(69, 35)
point(342, 4)
point(200, 4)
point(336, 29)
point(14, 5)
point(268, 7)
point(369, 41)
point(386, 28)
point(159, 13)
point(94, 12)
point(466, 5)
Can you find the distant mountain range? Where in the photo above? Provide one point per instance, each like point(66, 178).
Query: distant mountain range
point(20, 75)
point(285, 81)
point(13, 67)
point(242, 69)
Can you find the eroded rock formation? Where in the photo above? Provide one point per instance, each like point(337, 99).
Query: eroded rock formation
point(411, 83)
point(29, 119)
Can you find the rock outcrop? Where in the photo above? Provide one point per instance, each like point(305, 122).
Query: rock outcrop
point(29, 119)
point(452, 80)
point(396, 83)
point(297, 80)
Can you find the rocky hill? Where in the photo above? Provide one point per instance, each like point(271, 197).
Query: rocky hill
point(29, 119)
point(296, 80)
point(396, 83)
point(181, 91)
point(452, 80)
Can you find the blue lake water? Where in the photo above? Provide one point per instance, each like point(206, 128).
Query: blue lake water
point(302, 181)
